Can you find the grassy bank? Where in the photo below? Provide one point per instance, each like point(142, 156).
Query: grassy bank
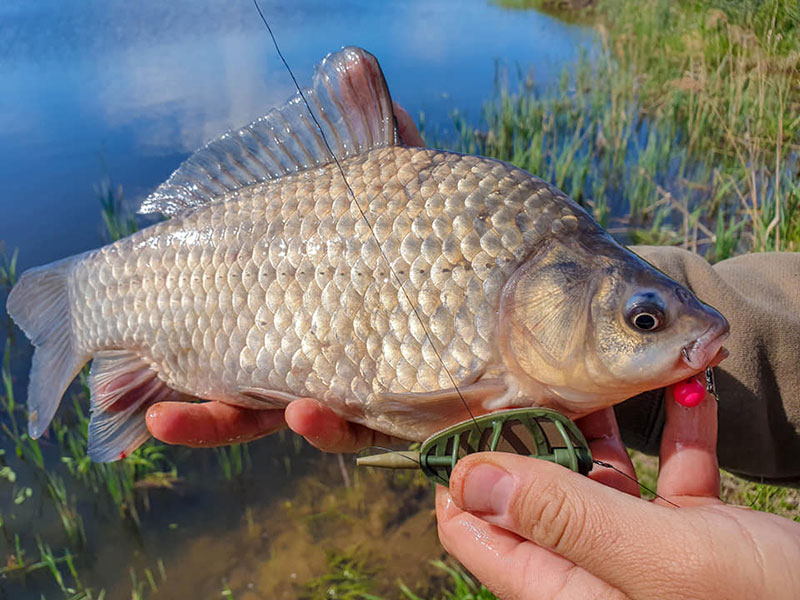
point(686, 125)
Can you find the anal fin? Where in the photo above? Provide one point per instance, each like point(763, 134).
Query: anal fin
point(122, 387)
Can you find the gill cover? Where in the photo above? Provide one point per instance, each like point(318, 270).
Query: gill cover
point(549, 297)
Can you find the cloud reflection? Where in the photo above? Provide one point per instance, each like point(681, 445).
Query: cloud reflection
point(173, 105)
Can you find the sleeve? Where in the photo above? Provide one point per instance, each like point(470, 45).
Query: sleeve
point(759, 383)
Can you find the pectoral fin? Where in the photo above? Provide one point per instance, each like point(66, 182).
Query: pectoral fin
point(427, 413)
point(262, 398)
point(546, 304)
point(122, 387)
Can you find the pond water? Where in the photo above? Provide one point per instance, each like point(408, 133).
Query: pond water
point(123, 91)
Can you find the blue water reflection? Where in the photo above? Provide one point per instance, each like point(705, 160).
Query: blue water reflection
point(111, 88)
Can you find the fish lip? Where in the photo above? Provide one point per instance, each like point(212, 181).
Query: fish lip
point(701, 352)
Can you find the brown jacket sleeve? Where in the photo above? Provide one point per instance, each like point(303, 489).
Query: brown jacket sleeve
point(759, 383)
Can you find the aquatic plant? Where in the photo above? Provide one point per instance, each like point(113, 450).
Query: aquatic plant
point(65, 504)
point(233, 460)
point(227, 592)
point(8, 267)
point(123, 481)
point(61, 568)
point(118, 220)
point(348, 578)
point(26, 447)
point(147, 585)
point(461, 586)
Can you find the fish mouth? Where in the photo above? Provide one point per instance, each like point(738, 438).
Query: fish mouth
point(706, 350)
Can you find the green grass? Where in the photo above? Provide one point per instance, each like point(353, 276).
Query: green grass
point(117, 219)
point(348, 578)
point(460, 585)
point(774, 499)
point(683, 131)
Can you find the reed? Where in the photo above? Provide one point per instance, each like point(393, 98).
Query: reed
point(233, 460)
point(695, 144)
point(117, 219)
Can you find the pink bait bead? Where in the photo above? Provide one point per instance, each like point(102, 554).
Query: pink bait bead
point(689, 393)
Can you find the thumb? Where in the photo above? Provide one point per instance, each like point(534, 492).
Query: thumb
point(612, 535)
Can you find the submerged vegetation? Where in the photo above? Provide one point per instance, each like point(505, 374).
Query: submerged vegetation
point(684, 129)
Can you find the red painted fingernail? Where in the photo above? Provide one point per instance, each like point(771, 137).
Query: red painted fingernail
point(689, 393)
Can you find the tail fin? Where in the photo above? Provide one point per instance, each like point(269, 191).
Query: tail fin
point(39, 304)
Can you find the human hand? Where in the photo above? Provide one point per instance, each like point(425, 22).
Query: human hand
point(406, 128)
point(531, 529)
point(209, 424)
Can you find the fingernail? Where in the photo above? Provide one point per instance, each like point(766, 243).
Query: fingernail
point(446, 508)
point(487, 489)
point(154, 412)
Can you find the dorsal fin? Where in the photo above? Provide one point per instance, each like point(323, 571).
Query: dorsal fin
point(350, 101)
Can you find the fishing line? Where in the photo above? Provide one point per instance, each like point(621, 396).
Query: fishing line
point(387, 450)
point(634, 480)
point(401, 285)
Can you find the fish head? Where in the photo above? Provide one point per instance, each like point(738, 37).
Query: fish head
point(649, 331)
point(592, 324)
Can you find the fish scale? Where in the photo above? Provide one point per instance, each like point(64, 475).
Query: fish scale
point(220, 321)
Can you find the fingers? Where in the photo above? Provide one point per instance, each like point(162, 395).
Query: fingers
point(618, 538)
point(217, 424)
point(507, 564)
point(407, 128)
point(327, 431)
point(688, 461)
point(210, 423)
point(602, 433)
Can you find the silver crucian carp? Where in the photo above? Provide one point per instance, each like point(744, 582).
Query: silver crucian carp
point(442, 279)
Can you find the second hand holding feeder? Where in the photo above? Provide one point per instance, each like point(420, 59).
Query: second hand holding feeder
point(540, 433)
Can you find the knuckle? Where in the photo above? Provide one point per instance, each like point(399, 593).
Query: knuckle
point(550, 515)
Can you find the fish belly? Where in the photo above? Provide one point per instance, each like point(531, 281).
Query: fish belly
point(294, 288)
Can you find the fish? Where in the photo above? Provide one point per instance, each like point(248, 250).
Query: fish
point(312, 254)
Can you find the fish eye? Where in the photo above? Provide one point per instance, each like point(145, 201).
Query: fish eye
point(646, 321)
point(645, 311)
